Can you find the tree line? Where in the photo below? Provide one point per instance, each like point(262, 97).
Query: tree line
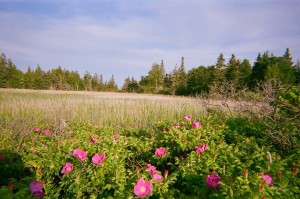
point(239, 73)
point(55, 79)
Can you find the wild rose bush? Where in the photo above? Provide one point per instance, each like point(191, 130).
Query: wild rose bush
point(181, 159)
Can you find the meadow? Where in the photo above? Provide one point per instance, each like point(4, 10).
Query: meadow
point(66, 144)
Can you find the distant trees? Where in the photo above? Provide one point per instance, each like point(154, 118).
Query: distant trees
point(10, 76)
point(219, 73)
point(154, 81)
point(272, 68)
point(199, 80)
point(130, 85)
point(239, 74)
point(56, 79)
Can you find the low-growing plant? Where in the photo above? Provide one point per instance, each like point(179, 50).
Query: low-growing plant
point(189, 158)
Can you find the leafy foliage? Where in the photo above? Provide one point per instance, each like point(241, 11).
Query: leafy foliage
point(237, 161)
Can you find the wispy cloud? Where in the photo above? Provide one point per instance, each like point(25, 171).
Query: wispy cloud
point(125, 37)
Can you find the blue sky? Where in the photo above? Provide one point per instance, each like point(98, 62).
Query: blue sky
point(125, 37)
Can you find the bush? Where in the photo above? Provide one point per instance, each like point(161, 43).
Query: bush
point(181, 90)
point(177, 158)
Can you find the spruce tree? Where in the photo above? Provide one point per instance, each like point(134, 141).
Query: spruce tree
point(259, 69)
point(182, 76)
point(288, 58)
point(175, 77)
point(219, 72)
point(232, 71)
point(245, 72)
point(3, 71)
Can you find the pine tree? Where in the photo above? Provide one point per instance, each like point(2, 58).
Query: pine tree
point(39, 81)
point(288, 58)
point(14, 76)
point(232, 70)
point(88, 81)
point(245, 72)
point(133, 86)
point(162, 68)
point(3, 71)
point(297, 72)
point(259, 69)
point(167, 82)
point(28, 79)
point(126, 85)
point(182, 76)
point(175, 77)
point(111, 85)
point(219, 74)
point(280, 69)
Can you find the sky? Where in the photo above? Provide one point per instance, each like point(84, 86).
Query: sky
point(125, 37)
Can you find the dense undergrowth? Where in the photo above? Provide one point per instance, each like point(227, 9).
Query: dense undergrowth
point(235, 151)
point(211, 156)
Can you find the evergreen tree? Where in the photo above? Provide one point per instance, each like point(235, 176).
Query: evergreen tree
point(14, 76)
point(245, 72)
point(74, 80)
point(219, 75)
point(111, 85)
point(167, 82)
point(133, 86)
point(182, 76)
point(28, 79)
point(175, 77)
point(279, 69)
point(3, 71)
point(96, 82)
point(288, 58)
point(162, 68)
point(232, 70)
point(39, 81)
point(259, 69)
point(88, 81)
point(125, 85)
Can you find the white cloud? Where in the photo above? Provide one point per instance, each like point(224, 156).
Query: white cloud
point(128, 39)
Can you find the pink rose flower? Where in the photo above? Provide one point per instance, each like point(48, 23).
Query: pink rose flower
point(201, 149)
point(37, 129)
point(116, 135)
point(94, 139)
point(157, 177)
point(47, 132)
point(67, 168)
point(267, 178)
point(213, 181)
point(161, 151)
point(177, 125)
point(151, 169)
point(196, 124)
point(36, 188)
point(79, 154)
point(142, 188)
point(98, 159)
point(187, 117)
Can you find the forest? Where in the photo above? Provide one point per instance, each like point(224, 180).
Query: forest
point(239, 73)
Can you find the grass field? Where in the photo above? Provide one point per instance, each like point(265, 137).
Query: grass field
point(27, 108)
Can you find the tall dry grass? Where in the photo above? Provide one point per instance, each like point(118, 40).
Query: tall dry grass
point(28, 108)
